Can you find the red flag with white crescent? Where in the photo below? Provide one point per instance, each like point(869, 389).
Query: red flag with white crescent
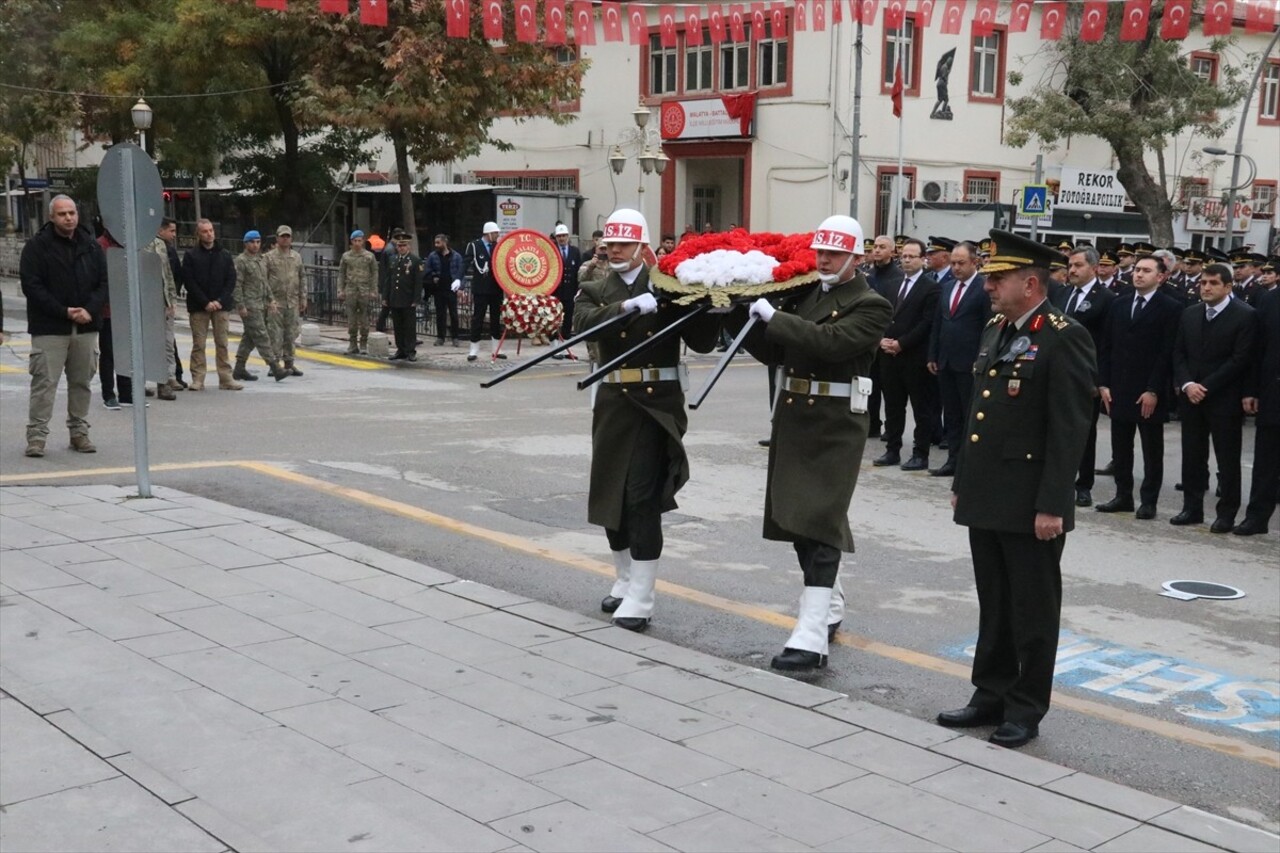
point(373, 12)
point(984, 18)
point(894, 14)
point(837, 11)
point(866, 12)
point(693, 25)
point(778, 19)
point(667, 25)
point(952, 16)
point(924, 13)
point(1137, 15)
point(459, 23)
point(895, 93)
point(1217, 17)
point(715, 17)
point(820, 15)
point(638, 23)
point(1260, 16)
point(801, 22)
point(526, 22)
point(1093, 21)
point(335, 7)
point(493, 20)
point(1176, 23)
point(584, 22)
point(1052, 17)
point(1020, 15)
point(737, 26)
point(757, 21)
point(611, 20)
point(555, 21)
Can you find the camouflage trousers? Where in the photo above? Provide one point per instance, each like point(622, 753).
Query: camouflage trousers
point(284, 332)
point(359, 306)
point(255, 335)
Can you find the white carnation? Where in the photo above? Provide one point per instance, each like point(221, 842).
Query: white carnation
point(725, 266)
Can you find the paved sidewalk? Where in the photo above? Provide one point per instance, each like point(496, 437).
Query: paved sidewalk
point(180, 674)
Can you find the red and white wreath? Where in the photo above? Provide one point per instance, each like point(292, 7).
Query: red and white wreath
point(532, 315)
point(736, 263)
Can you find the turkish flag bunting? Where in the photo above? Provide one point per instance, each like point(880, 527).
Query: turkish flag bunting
point(924, 13)
point(610, 18)
point(865, 11)
point(837, 11)
point(278, 5)
point(1260, 17)
point(1093, 23)
point(715, 17)
point(757, 21)
point(492, 20)
point(1176, 23)
point(1020, 16)
point(373, 12)
point(336, 7)
point(894, 14)
point(637, 23)
point(693, 25)
point(584, 22)
point(667, 25)
point(526, 22)
point(1217, 17)
point(952, 16)
point(819, 16)
point(984, 18)
point(778, 19)
point(459, 24)
point(1052, 17)
point(555, 21)
point(737, 26)
point(1137, 15)
point(895, 93)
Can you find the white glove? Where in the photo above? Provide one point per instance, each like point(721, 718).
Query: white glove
point(456, 286)
point(645, 303)
point(762, 309)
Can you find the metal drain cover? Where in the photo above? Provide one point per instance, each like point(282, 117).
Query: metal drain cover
point(1191, 590)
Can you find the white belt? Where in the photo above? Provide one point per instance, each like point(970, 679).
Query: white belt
point(819, 388)
point(645, 374)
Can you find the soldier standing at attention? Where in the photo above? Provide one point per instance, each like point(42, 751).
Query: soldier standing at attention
point(401, 290)
point(284, 275)
point(358, 291)
point(1014, 487)
point(256, 305)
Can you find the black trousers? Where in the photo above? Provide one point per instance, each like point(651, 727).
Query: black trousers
point(1151, 432)
point(907, 381)
point(405, 321)
point(566, 329)
point(1019, 583)
point(1264, 490)
point(177, 362)
point(1225, 431)
point(1085, 476)
point(446, 305)
point(111, 381)
point(819, 562)
point(641, 529)
point(956, 388)
point(482, 303)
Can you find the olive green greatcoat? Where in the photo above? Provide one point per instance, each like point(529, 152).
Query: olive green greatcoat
point(620, 409)
point(1028, 422)
point(816, 444)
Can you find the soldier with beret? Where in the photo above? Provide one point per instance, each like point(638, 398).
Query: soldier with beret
point(1028, 423)
point(358, 291)
point(256, 305)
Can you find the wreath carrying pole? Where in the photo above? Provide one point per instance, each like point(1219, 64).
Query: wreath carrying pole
point(724, 363)
point(559, 348)
point(641, 347)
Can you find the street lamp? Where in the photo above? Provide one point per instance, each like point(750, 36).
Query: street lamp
point(1229, 213)
point(141, 113)
point(646, 143)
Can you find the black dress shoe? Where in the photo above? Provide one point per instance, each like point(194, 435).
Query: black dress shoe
point(396, 357)
point(1222, 525)
point(610, 603)
point(1177, 487)
point(916, 463)
point(1146, 512)
point(1116, 504)
point(1108, 471)
point(798, 660)
point(1013, 735)
point(1187, 517)
point(890, 457)
point(832, 628)
point(1250, 527)
point(471, 358)
point(764, 442)
point(631, 623)
point(948, 469)
point(970, 716)
point(1084, 497)
point(942, 444)
point(502, 355)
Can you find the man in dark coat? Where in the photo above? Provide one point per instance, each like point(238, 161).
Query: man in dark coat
point(567, 289)
point(402, 288)
point(885, 277)
point(1263, 399)
point(823, 342)
point(210, 275)
point(1212, 357)
point(1134, 364)
point(963, 311)
point(1032, 404)
point(638, 420)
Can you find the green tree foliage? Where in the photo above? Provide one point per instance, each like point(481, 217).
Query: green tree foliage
point(1137, 96)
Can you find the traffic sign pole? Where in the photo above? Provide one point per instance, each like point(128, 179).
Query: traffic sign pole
point(1035, 223)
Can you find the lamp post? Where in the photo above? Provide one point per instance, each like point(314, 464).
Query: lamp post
point(648, 147)
point(1229, 213)
point(141, 114)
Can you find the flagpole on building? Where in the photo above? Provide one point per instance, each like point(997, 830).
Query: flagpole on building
point(900, 85)
point(856, 165)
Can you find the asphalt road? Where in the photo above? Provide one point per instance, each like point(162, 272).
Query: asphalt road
point(1180, 699)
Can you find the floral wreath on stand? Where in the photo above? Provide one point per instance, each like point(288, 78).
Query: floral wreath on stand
point(735, 264)
point(533, 315)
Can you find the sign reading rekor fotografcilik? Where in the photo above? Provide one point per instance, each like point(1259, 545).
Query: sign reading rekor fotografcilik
point(1096, 190)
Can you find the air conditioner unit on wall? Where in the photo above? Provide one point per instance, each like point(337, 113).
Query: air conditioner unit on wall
point(942, 192)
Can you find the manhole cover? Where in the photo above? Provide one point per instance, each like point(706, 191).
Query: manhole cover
point(1190, 590)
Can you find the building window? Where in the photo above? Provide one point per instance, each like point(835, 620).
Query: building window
point(1269, 94)
point(1189, 188)
point(904, 42)
point(699, 63)
point(981, 187)
point(986, 67)
point(662, 67)
point(885, 178)
point(735, 64)
point(556, 181)
point(1264, 199)
point(772, 62)
point(1205, 66)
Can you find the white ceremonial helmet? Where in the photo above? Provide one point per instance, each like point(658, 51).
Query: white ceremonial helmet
point(625, 225)
point(839, 233)
point(562, 230)
point(490, 228)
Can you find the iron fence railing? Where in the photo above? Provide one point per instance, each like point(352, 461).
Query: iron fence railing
point(323, 305)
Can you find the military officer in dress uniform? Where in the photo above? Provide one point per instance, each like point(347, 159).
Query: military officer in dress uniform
point(638, 420)
point(358, 291)
point(289, 289)
point(1107, 272)
point(401, 290)
point(486, 293)
point(823, 342)
point(1186, 288)
point(1028, 423)
point(1126, 258)
point(256, 305)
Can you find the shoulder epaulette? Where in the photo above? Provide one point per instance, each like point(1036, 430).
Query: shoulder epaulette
point(1058, 321)
point(997, 319)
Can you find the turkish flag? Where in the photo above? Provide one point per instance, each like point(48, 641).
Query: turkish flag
point(336, 7)
point(866, 12)
point(952, 16)
point(894, 14)
point(820, 15)
point(778, 19)
point(896, 92)
point(802, 16)
point(984, 18)
point(737, 26)
point(554, 11)
point(459, 24)
point(924, 13)
point(757, 21)
point(277, 5)
point(715, 17)
point(1020, 15)
point(1260, 17)
point(1176, 23)
point(667, 25)
point(1137, 14)
point(1093, 22)
point(526, 22)
point(638, 23)
point(693, 25)
point(610, 19)
point(373, 12)
point(493, 20)
point(584, 22)
point(1217, 17)
point(837, 11)
point(1052, 17)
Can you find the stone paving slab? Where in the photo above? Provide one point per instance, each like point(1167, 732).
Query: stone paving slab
point(180, 674)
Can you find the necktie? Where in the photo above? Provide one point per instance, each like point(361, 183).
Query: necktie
point(902, 291)
point(1073, 301)
point(1138, 305)
point(564, 252)
point(1210, 313)
point(955, 296)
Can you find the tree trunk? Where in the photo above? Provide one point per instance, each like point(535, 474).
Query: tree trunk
point(1145, 191)
point(278, 65)
point(408, 222)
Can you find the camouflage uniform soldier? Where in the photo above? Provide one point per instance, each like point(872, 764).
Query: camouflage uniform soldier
point(284, 275)
point(358, 290)
point(168, 227)
point(256, 305)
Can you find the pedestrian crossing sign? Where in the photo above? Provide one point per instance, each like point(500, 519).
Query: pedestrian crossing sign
point(1034, 201)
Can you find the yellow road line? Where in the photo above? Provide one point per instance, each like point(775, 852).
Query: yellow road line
point(330, 358)
point(6, 479)
point(1173, 731)
point(8, 368)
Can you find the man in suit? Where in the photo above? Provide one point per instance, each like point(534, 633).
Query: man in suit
point(904, 351)
point(1134, 362)
point(486, 295)
point(1212, 356)
point(938, 259)
point(885, 277)
point(1033, 394)
point(1263, 400)
point(1086, 302)
point(567, 290)
point(963, 311)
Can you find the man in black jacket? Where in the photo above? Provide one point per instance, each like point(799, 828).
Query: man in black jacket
point(963, 311)
point(1263, 399)
point(64, 277)
point(210, 275)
